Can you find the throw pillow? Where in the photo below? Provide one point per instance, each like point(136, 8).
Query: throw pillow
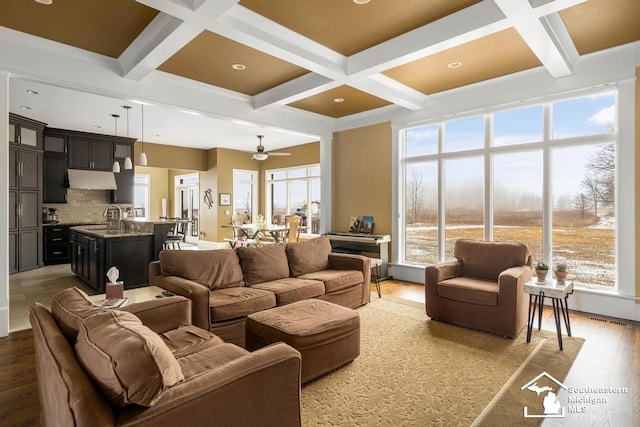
point(70, 306)
point(128, 362)
point(309, 256)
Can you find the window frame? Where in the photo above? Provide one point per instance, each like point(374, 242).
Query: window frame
point(308, 178)
point(488, 152)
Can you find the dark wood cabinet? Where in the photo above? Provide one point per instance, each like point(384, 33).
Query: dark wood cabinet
point(55, 179)
point(124, 179)
point(88, 153)
point(55, 144)
point(56, 245)
point(25, 193)
point(25, 132)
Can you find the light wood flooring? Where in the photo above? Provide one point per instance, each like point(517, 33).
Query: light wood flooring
point(609, 357)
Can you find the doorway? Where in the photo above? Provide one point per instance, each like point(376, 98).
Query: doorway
point(186, 204)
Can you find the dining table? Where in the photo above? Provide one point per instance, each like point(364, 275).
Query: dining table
point(250, 233)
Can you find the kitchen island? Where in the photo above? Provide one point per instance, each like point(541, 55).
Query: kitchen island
point(127, 245)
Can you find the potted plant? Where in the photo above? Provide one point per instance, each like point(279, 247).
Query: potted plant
point(561, 272)
point(541, 271)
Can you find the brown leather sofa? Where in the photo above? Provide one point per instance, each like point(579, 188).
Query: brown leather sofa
point(483, 288)
point(146, 365)
point(226, 285)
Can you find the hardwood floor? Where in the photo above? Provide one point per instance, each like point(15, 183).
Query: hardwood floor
point(609, 357)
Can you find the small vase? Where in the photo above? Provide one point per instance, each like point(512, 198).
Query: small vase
point(542, 275)
point(561, 276)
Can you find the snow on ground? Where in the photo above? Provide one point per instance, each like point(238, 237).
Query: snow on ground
point(605, 223)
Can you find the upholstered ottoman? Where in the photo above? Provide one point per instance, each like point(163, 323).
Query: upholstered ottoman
point(327, 335)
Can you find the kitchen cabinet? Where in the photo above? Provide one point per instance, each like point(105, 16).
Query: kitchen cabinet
point(25, 132)
point(92, 256)
point(124, 179)
point(56, 245)
point(55, 179)
point(54, 143)
point(25, 193)
point(86, 153)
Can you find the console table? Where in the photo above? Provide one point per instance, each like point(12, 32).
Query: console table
point(559, 293)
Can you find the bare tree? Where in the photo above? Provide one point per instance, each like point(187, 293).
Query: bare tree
point(582, 203)
point(415, 194)
point(591, 185)
point(602, 164)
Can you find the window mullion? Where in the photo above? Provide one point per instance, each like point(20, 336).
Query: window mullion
point(547, 187)
point(488, 177)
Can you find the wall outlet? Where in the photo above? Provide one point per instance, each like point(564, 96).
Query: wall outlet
point(226, 211)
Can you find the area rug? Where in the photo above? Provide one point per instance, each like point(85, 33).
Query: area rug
point(414, 371)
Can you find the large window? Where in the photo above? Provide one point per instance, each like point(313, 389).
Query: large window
point(295, 191)
point(544, 175)
point(141, 196)
point(245, 193)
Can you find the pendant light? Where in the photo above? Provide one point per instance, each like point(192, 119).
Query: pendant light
point(127, 161)
point(116, 165)
point(142, 161)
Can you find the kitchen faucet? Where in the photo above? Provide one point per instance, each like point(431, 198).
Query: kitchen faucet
point(109, 207)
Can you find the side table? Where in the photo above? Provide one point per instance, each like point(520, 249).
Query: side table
point(134, 295)
point(559, 293)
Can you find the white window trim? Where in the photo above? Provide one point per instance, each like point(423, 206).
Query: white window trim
point(147, 211)
point(268, 181)
point(625, 185)
point(254, 190)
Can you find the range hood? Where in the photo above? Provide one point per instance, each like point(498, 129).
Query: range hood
point(91, 180)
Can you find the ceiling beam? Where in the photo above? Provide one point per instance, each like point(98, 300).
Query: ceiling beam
point(453, 30)
point(547, 41)
point(302, 87)
point(391, 90)
point(163, 37)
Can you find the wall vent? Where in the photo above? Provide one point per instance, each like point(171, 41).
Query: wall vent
point(614, 322)
point(598, 319)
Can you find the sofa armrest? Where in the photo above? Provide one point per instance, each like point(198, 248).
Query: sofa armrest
point(198, 294)
point(436, 273)
point(512, 301)
point(349, 262)
point(154, 269)
point(162, 314)
point(267, 382)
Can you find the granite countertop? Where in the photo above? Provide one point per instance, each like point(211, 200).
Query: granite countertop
point(73, 223)
point(104, 231)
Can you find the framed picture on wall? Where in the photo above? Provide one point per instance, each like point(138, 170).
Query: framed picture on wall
point(225, 199)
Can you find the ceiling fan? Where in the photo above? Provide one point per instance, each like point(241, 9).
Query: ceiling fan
point(260, 154)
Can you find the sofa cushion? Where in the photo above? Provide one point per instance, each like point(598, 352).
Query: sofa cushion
point(308, 256)
point(263, 263)
point(128, 362)
point(292, 289)
point(336, 280)
point(471, 290)
point(189, 339)
point(488, 259)
point(230, 303)
point(70, 306)
point(215, 269)
point(209, 358)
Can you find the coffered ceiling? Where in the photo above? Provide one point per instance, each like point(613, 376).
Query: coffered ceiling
point(333, 58)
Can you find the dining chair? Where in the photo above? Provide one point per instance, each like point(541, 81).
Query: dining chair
point(176, 235)
point(293, 225)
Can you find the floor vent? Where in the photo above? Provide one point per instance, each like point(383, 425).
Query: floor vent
point(598, 319)
point(618, 322)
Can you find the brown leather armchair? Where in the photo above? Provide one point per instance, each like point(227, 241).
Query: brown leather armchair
point(483, 288)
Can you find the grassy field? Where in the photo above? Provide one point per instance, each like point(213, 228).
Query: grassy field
point(588, 251)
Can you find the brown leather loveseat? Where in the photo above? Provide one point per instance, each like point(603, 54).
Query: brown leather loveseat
point(483, 288)
point(146, 365)
point(226, 285)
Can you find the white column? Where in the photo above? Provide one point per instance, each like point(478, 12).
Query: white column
point(326, 161)
point(4, 204)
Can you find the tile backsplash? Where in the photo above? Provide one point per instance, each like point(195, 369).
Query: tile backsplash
point(84, 206)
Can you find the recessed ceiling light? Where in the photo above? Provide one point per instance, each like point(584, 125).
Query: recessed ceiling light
point(24, 107)
point(455, 64)
point(361, 1)
point(32, 92)
point(238, 67)
point(338, 100)
point(44, 1)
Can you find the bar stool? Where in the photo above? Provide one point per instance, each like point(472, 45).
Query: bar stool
point(376, 264)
